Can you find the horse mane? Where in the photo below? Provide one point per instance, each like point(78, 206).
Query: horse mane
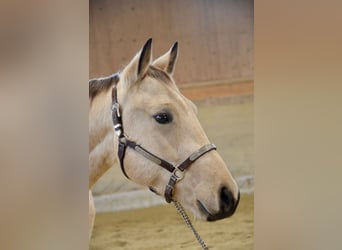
point(100, 85)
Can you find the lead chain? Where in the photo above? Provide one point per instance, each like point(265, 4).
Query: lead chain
point(187, 221)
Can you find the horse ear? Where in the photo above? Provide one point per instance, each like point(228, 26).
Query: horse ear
point(167, 61)
point(139, 65)
point(145, 58)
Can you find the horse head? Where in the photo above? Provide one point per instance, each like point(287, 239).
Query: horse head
point(156, 116)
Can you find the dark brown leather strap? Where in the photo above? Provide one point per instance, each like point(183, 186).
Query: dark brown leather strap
point(169, 188)
point(195, 155)
point(117, 123)
point(157, 160)
point(116, 115)
point(121, 155)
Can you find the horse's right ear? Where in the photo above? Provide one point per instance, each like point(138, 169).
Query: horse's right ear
point(167, 61)
point(139, 65)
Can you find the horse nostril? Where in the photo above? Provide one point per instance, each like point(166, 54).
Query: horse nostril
point(228, 203)
point(226, 199)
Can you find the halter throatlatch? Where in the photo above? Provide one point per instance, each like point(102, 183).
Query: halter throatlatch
point(124, 142)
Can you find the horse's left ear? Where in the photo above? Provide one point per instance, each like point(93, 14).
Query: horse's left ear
point(167, 61)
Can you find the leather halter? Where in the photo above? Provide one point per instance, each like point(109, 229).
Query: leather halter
point(177, 171)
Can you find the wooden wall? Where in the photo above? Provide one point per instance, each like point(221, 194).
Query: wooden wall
point(215, 36)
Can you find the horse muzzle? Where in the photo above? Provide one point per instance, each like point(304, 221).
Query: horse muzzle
point(227, 205)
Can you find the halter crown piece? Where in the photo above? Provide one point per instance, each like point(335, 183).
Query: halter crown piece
point(177, 172)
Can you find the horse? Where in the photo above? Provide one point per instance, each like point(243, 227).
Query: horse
point(141, 114)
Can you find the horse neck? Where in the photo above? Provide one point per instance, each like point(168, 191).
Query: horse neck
point(102, 141)
point(100, 123)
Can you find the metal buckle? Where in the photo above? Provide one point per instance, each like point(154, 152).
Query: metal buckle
point(178, 174)
point(118, 129)
point(116, 107)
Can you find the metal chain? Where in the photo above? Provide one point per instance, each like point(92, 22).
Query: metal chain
point(187, 221)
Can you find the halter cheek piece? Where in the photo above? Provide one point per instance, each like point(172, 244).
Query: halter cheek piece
point(177, 172)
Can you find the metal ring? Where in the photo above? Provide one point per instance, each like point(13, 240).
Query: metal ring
point(178, 174)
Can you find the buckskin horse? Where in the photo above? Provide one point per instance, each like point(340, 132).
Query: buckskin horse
point(139, 119)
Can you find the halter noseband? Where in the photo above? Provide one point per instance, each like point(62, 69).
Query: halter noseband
point(124, 142)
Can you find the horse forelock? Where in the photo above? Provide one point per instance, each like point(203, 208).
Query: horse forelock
point(158, 74)
point(152, 72)
point(101, 85)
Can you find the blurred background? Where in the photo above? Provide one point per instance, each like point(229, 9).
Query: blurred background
point(44, 72)
point(214, 69)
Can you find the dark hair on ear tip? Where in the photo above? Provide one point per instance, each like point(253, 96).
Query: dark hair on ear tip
point(146, 48)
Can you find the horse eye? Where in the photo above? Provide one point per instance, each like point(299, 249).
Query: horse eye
point(163, 118)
